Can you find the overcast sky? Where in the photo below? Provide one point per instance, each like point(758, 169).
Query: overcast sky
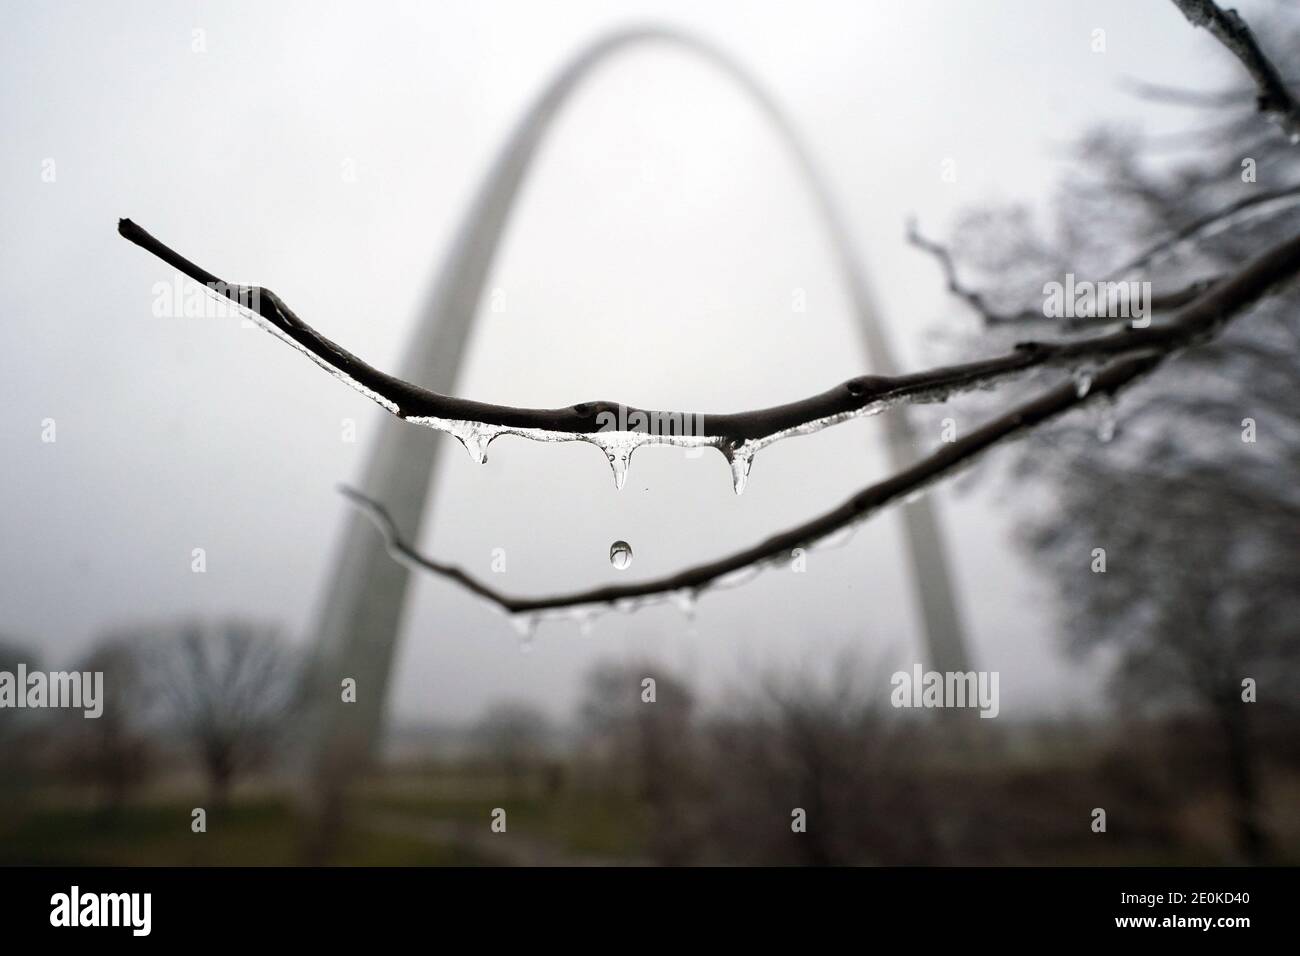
point(651, 260)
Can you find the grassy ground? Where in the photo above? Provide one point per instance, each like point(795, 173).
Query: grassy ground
point(442, 815)
point(573, 824)
point(262, 832)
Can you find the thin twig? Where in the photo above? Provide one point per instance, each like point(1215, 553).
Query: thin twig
point(1173, 299)
point(1201, 99)
point(1201, 224)
point(974, 299)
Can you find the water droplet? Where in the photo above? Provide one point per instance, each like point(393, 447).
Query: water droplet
point(1105, 419)
point(1082, 382)
point(685, 600)
point(525, 626)
point(620, 555)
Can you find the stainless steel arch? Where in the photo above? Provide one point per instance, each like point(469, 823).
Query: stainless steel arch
point(361, 612)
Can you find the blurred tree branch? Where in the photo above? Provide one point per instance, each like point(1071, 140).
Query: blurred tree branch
point(1232, 31)
point(978, 302)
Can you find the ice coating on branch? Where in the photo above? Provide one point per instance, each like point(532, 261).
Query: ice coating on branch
point(618, 445)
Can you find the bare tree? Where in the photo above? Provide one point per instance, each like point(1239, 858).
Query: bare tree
point(16, 726)
point(514, 736)
point(808, 769)
point(638, 718)
point(117, 750)
point(1178, 550)
point(228, 688)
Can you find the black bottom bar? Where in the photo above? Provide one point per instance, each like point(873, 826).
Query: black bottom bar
point(333, 906)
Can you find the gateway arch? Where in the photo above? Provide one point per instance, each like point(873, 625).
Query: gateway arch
point(361, 611)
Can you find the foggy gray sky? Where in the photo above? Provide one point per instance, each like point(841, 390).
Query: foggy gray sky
point(651, 260)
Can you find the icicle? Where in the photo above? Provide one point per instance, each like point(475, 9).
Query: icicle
point(475, 438)
point(619, 460)
point(739, 457)
point(618, 450)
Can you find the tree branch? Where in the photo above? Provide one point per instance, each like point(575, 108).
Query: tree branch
point(1286, 196)
point(975, 300)
point(1232, 31)
point(1198, 321)
point(619, 429)
point(1173, 299)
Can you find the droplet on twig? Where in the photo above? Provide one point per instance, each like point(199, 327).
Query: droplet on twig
point(1105, 419)
point(740, 459)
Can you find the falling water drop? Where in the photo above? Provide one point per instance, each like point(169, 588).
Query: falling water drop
point(1082, 382)
point(620, 555)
